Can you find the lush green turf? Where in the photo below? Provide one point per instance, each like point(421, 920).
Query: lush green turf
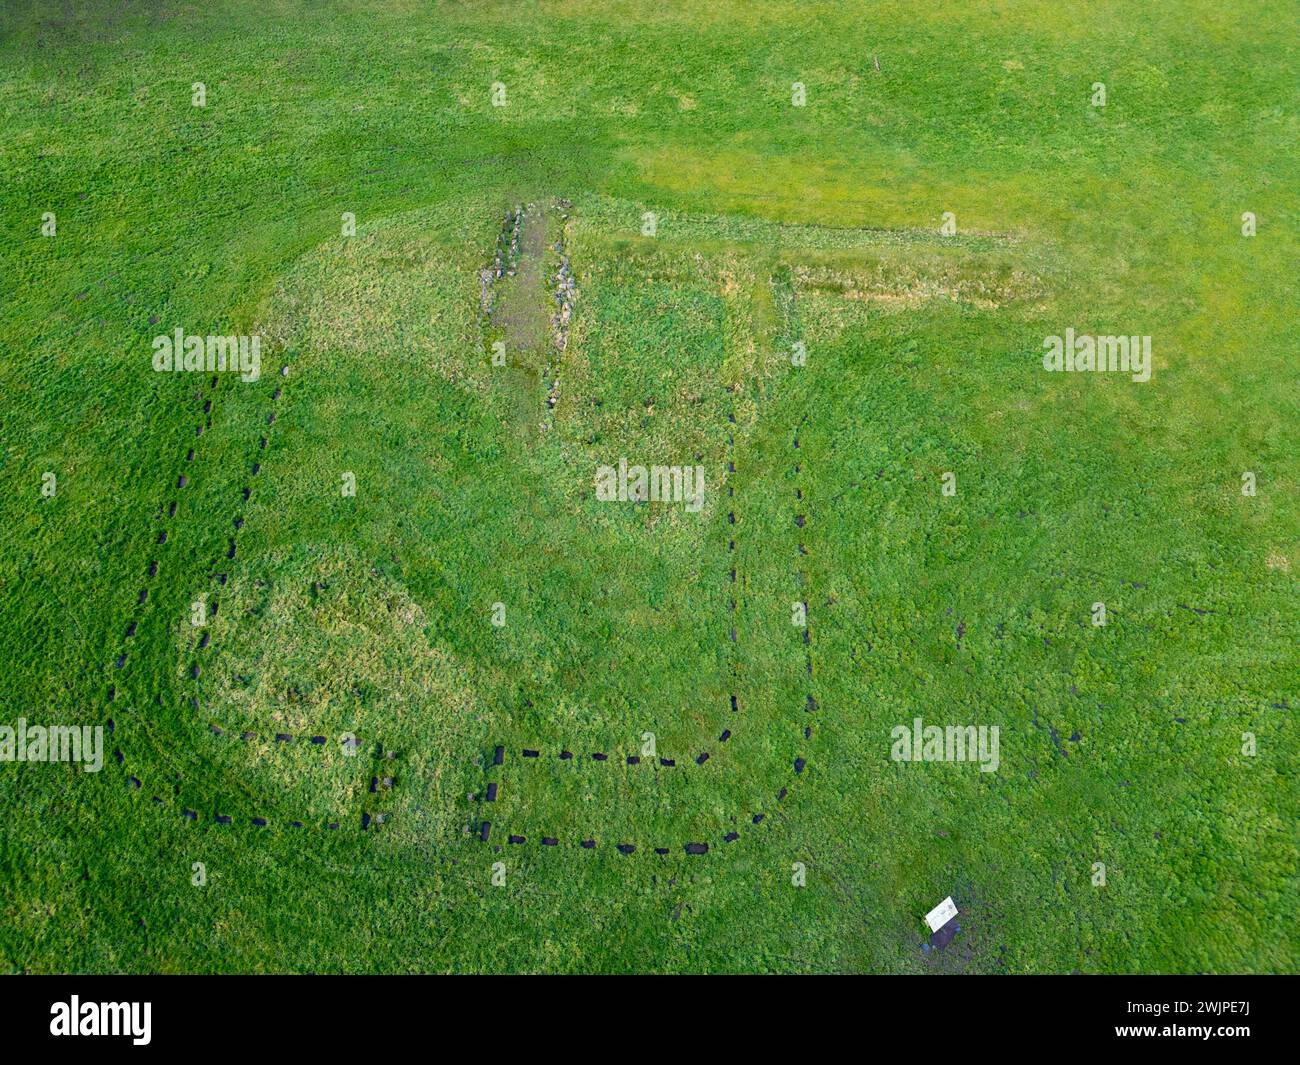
point(372, 614)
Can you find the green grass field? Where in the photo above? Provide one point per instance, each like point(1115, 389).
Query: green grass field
point(473, 593)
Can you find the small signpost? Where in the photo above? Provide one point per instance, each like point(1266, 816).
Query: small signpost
point(943, 924)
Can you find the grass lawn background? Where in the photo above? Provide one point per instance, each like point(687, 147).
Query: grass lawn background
point(371, 614)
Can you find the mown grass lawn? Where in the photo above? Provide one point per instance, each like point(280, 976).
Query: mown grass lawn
point(371, 613)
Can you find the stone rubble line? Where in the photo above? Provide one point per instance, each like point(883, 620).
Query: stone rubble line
point(565, 294)
point(811, 705)
point(152, 572)
point(504, 262)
